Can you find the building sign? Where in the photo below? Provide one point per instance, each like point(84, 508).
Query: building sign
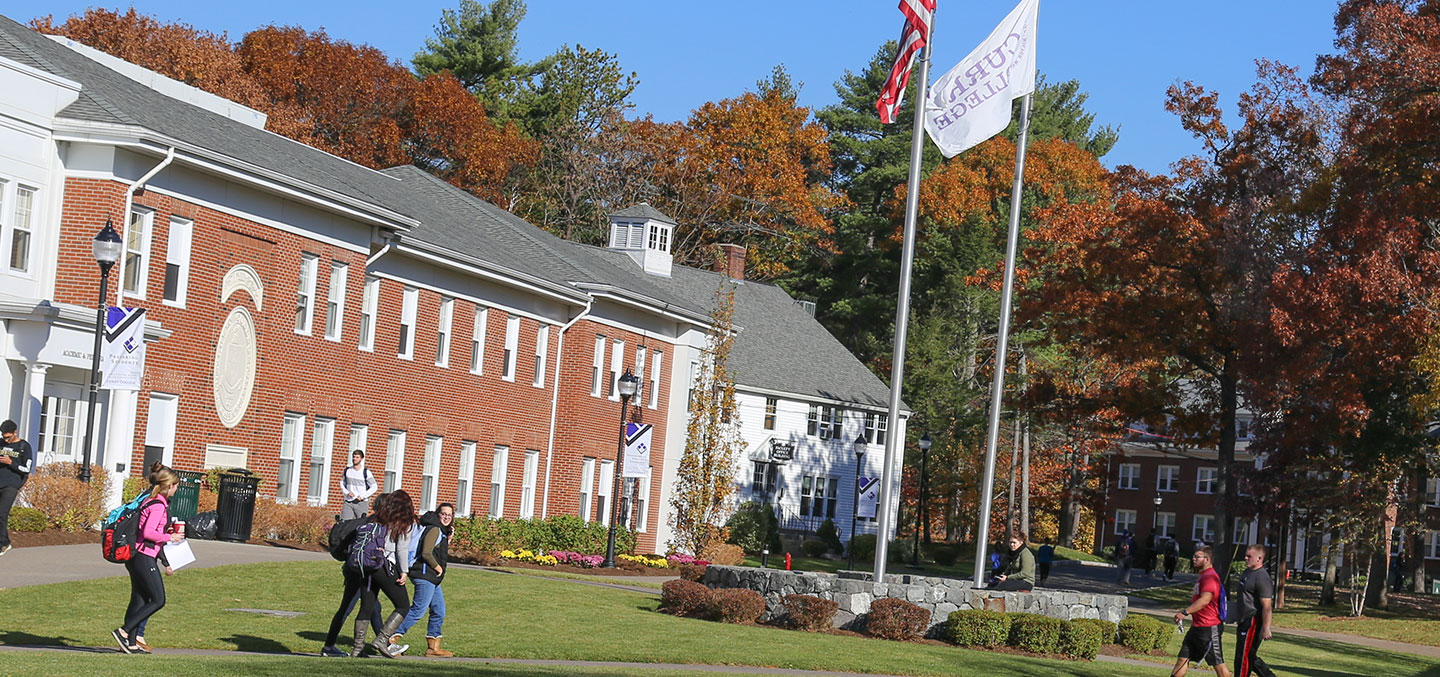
point(637, 449)
point(122, 353)
point(869, 489)
point(781, 451)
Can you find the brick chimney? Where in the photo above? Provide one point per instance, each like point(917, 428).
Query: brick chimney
point(731, 260)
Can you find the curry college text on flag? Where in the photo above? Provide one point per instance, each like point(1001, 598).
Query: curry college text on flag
point(971, 102)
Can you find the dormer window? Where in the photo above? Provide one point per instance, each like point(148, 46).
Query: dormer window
point(660, 237)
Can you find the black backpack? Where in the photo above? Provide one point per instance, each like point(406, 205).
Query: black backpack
point(120, 534)
point(342, 535)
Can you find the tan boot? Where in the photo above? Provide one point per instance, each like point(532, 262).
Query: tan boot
point(434, 648)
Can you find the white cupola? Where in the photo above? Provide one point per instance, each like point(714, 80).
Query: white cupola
point(645, 235)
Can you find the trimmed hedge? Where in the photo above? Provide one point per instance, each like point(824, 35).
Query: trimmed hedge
point(686, 598)
point(692, 572)
point(482, 535)
point(1142, 633)
point(810, 613)
point(864, 546)
point(1079, 639)
point(1034, 633)
point(736, 605)
point(814, 548)
point(896, 619)
point(977, 627)
point(1104, 627)
point(27, 519)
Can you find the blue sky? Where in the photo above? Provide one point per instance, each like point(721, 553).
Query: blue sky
point(1123, 52)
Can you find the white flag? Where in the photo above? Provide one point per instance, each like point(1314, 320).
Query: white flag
point(971, 102)
point(122, 353)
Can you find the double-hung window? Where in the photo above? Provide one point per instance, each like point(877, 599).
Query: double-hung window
point(1129, 477)
point(305, 293)
point(137, 251)
point(512, 344)
point(599, 366)
point(656, 360)
point(22, 226)
point(1166, 478)
point(876, 428)
point(465, 480)
point(1241, 532)
point(831, 421)
point(430, 473)
point(292, 437)
point(527, 484)
point(409, 306)
point(587, 487)
point(1432, 545)
point(818, 495)
point(542, 350)
point(642, 501)
point(640, 375)
point(335, 301)
point(322, 441)
point(369, 303)
point(442, 333)
point(477, 340)
point(617, 359)
point(359, 437)
point(1124, 521)
point(1205, 481)
point(177, 261)
point(1202, 528)
point(394, 459)
point(603, 492)
point(498, 469)
point(770, 405)
point(1432, 491)
point(1165, 523)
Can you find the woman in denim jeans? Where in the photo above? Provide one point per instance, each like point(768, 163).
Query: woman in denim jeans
point(427, 570)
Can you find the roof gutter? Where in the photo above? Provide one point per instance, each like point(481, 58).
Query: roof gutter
point(502, 274)
point(130, 203)
point(555, 404)
point(645, 302)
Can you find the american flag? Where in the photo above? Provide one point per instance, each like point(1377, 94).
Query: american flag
point(919, 14)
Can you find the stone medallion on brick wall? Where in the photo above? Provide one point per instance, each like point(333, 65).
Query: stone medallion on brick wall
point(236, 348)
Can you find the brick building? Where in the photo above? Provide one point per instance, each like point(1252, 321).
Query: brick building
point(299, 306)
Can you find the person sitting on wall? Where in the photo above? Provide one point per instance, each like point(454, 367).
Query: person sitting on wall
point(1019, 574)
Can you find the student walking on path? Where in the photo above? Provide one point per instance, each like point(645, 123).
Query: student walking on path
point(430, 549)
point(379, 559)
point(1202, 642)
point(351, 597)
point(1253, 600)
point(16, 461)
point(357, 485)
point(147, 588)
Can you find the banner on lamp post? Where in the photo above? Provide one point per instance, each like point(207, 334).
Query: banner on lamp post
point(637, 449)
point(122, 352)
point(869, 497)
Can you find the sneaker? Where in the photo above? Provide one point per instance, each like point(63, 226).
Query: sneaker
point(398, 649)
point(4, 549)
point(123, 641)
point(331, 651)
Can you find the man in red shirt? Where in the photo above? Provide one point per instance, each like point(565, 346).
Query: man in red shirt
point(1202, 642)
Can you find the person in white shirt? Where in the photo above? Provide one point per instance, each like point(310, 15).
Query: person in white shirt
point(357, 485)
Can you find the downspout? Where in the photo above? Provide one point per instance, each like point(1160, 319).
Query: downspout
point(555, 403)
point(125, 215)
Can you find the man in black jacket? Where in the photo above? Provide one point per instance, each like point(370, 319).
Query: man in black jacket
point(17, 459)
point(428, 560)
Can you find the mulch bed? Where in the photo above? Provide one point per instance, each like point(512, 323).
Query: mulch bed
point(30, 539)
point(622, 567)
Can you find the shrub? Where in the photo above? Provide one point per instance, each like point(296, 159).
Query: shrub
point(685, 598)
point(692, 572)
point(131, 487)
point(864, 546)
point(753, 527)
point(1142, 633)
point(27, 519)
point(67, 503)
point(945, 554)
point(810, 613)
point(476, 536)
point(830, 535)
point(896, 619)
point(902, 550)
point(1104, 627)
point(1034, 633)
point(736, 605)
point(1079, 639)
point(723, 553)
point(977, 627)
point(814, 548)
point(296, 522)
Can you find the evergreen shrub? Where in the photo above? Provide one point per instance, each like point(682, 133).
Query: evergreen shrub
point(1034, 633)
point(977, 627)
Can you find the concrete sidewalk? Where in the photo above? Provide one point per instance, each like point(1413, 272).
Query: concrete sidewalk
point(63, 563)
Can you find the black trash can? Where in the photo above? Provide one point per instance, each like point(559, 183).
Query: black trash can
point(236, 504)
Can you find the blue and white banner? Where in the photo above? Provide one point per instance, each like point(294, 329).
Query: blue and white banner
point(122, 352)
point(869, 497)
point(637, 449)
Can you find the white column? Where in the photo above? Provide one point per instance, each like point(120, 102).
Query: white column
point(119, 442)
point(33, 398)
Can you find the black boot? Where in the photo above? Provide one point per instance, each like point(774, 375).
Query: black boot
point(382, 643)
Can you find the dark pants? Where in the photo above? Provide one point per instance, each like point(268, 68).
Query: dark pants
point(353, 583)
point(1044, 570)
point(7, 499)
point(147, 592)
point(1247, 644)
point(380, 581)
point(1013, 584)
point(1169, 567)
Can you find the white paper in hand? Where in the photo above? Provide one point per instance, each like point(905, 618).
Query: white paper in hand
point(179, 554)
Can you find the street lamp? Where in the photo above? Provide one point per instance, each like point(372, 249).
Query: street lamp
point(860, 445)
point(628, 385)
point(1155, 522)
point(920, 506)
point(107, 248)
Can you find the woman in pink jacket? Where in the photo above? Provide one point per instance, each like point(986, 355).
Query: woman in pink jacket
point(147, 588)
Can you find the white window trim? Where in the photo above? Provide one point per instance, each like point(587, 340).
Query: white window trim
point(512, 346)
point(430, 473)
point(1170, 528)
point(1202, 486)
point(499, 468)
point(587, 488)
point(477, 340)
point(409, 311)
point(147, 218)
point(10, 225)
point(642, 502)
point(163, 438)
point(1432, 543)
point(369, 304)
point(527, 484)
point(1134, 476)
point(394, 460)
point(1174, 472)
point(322, 431)
point(605, 489)
point(542, 353)
point(657, 358)
point(309, 272)
point(599, 369)
point(358, 439)
point(1129, 524)
point(335, 301)
point(178, 245)
point(443, 331)
point(464, 500)
point(296, 457)
point(1209, 530)
point(617, 360)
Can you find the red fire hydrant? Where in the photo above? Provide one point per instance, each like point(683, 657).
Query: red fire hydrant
point(787, 561)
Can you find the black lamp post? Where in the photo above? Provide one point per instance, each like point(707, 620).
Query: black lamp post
point(1156, 521)
point(628, 385)
point(107, 248)
point(860, 444)
point(920, 506)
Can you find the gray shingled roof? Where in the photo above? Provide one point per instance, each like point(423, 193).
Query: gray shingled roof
point(643, 211)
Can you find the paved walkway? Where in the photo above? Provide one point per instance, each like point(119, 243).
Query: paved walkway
point(64, 563)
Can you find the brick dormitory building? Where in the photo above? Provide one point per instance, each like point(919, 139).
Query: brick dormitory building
point(299, 306)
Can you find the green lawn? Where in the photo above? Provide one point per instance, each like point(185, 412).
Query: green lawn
point(501, 615)
point(1414, 619)
point(1292, 655)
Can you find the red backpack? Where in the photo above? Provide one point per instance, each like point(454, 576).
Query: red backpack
point(120, 535)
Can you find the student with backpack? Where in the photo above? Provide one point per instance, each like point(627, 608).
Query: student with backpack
point(429, 556)
point(341, 537)
point(1207, 612)
point(357, 485)
point(147, 588)
point(378, 562)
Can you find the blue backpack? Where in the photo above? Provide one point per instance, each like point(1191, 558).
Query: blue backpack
point(367, 548)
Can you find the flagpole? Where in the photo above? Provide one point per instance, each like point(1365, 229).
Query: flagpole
point(902, 312)
point(997, 386)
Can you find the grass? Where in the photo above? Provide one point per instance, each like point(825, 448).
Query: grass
point(1073, 554)
point(1414, 619)
point(1294, 655)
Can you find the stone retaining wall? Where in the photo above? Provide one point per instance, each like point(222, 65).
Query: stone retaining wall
point(854, 591)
